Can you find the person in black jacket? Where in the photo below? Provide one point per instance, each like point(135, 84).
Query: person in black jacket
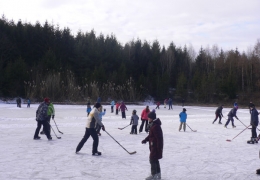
point(231, 114)
point(218, 114)
point(254, 123)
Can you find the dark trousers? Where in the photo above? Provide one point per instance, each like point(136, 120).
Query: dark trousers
point(254, 134)
point(112, 109)
point(49, 128)
point(170, 106)
point(230, 119)
point(46, 128)
point(98, 127)
point(123, 115)
point(155, 166)
point(134, 129)
point(218, 116)
point(89, 132)
point(142, 125)
point(28, 105)
point(116, 111)
point(157, 107)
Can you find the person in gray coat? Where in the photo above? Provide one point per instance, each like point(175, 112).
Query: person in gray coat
point(134, 122)
point(92, 121)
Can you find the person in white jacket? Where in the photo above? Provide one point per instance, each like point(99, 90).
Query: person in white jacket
point(92, 121)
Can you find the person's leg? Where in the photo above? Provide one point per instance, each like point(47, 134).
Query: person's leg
point(180, 126)
point(254, 135)
point(46, 128)
point(142, 125)
point(146, 124)
point(154, 166)
point(135, 129)
point(84, 139)
point(95, 140)
point(220, 117)
point(215, 118)
point(184, 126)
point(227, 121)
point(39, 125)
point(232, 120)
point(132, 130)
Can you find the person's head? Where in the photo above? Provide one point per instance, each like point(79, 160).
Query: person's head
point(98, 106)
point(147, 109)
point(184, 110)
point(88, 103)
point(151, 116)
point(47, 100)
point(134, 111)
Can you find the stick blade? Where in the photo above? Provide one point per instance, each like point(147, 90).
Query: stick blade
point(120, 128)
point(132, 152)
point(194, 130)
point(228, 140)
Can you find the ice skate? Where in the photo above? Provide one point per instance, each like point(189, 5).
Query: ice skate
point(37, 138)
point(225, 126)
point(219, 122)
point(96, 153)
point(251, 141)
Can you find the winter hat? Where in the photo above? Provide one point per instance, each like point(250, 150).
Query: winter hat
point(152, 115)
point(134, 111)
point(97, 105)
point(184, 109)
point(153, 110)
point(47, 99)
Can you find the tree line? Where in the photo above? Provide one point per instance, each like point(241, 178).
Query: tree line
point(38, 60)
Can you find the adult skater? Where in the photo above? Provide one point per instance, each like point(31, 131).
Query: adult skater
point(51, 114)
point(155, 139)
point(254, 123)
point(144, 119)
point(232, 114)
point(183, 118)
point(92, 120)
point(218, 114)
point(134, 122)
point(122, 108)
point(42, 119)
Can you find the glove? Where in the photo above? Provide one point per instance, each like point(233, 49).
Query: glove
point(143, 141)
point(103, 128)
point(52, 116)
point(104, 109)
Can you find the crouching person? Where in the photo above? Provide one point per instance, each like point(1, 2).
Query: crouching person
point(155, 139)
point(93, 119)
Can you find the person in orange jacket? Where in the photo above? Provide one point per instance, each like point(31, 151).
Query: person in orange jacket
point(144, 118)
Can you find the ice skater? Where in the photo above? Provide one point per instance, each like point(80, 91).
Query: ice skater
point(183, 118)
point(254, 123)
point(218, 114)
point(134, 122)
point(122, 109)
point(231, 114)
point(144, 119)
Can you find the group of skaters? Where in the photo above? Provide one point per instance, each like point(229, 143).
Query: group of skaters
point(254, 120)
point(19, 102)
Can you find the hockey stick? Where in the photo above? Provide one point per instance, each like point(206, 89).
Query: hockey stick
point(238, 134)
point(54, 132)
point(57, 127)
point(124, 127)
point(190, 128)
point(244, 124)
point(121, 145)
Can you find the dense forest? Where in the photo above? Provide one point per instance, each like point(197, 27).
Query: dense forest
point(38, 60)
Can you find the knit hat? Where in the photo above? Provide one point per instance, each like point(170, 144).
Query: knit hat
point(97, 105)
point(47, 99)
point(152, 115)
point(184, 109)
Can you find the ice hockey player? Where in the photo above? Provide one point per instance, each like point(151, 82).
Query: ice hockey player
point(232, 114)
point(134, 122)
point(42, 119)
point(155, 139)
point(254, 123)
point(218, 114)
point(144, 119)
point(51, 114)
point(92, 120)
point(183, 117)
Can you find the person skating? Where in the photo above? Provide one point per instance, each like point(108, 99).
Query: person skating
point(144, 119)
point(117, 107)
point(158, 105)
point(112, 106)
point(51, 114)
point(170, 103)
point(218, 114)
point(88, 108)
point(254, 123)
point(98, 127)
point(232, 114)
point(134, 122)
point(155, 139)
point(92, 120)
point(122, 109)
point(28, 103)
point(42, 119)
point(183, 118)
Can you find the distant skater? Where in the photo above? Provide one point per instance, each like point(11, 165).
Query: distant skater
point(231, 114)
point(134, 122)
point(218, 114)
point(122, 109)
point(183, 118)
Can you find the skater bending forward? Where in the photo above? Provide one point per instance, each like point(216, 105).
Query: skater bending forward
point(218, 114)
point(155, 139)
point(92, 120)
point(231, 114)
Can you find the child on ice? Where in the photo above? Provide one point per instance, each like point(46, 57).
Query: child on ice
point(88, 108)
point(98, 127)
point(183, 117)
point(134, 122)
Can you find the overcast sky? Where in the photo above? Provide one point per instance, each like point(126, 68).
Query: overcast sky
point(227, 23)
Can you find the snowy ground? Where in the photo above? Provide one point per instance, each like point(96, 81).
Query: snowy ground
point(201, 155)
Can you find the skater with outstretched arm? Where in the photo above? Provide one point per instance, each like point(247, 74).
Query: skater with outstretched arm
point(231, 114)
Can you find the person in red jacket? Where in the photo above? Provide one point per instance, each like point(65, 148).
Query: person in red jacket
point(144, 118)
point(155, 139)
point(158, 105)
point(117, 106)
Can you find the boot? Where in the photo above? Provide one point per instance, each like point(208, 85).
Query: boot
point(37, 138)
point(96, 153)
point(219, 123)
point(251, 141)
point(258, 171)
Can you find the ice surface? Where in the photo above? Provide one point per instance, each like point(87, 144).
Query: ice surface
point(201, 155)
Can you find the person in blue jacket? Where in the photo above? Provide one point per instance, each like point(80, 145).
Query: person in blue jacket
point(183, 117)
point(88, 110)
point(112, 106)
point(28, 103)
point(254, 123)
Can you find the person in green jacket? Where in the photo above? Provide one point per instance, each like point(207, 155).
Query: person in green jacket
point(51, 114)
